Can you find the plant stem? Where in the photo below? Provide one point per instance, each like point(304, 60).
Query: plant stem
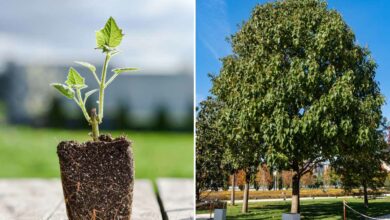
point(82, 106)
point(102, 86)
point(95, 125)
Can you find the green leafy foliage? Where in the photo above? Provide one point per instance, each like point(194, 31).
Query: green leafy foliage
point(298, 86)
point(64, 90)
point(110, 36)
point(74, 79)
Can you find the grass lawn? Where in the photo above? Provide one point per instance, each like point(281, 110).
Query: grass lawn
point(29, 152)
point(310, 209)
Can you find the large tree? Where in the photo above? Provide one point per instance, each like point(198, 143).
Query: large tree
point(299, 85)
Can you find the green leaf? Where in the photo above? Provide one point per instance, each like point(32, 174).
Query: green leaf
point(64, 90)
point(87, 65)
point(75, 80)
point(89, 93)
point(109, 36)
point(123, 70)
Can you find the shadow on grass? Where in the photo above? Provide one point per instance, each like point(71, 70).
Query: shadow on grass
point(376, 208)
point(259, 211)
point(322, 210)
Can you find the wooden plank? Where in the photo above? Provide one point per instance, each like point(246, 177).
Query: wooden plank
point(24, 199)
point(145, 202)
point(177, 197)
point(36, 199)
point(59, 212)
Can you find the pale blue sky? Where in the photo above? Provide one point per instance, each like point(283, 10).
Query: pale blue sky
point(159, 35)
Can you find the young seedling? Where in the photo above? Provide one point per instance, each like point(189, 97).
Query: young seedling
point(107, 40)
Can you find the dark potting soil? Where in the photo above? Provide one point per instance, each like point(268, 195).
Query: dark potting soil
point(97, 178)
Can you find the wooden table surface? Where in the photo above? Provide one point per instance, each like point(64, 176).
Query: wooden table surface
point(42, 199)
point(177, 202)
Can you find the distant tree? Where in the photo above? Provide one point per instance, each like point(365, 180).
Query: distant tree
point(213, 155)
point(330, 177)
point(56, 116)
point(209, 148)
point(308, 179)
point(241, 179)
point(319, 181)
point(242, 149)
point(230, 165)
point(161, 119)
point(122, 117)
point(189, 118)
point(287, 178)
point(264, 176)
point(242, 155)
point(364, 168)
point(298, 87)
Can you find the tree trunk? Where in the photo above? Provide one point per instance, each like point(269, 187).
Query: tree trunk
point(233, 193)
point(246, 198)
point(365, 195)
point(295, 203)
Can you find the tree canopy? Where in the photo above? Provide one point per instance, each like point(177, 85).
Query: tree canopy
point(298, 86)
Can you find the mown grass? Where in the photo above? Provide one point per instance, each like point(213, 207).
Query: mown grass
point(329, 209)
point(30, 152)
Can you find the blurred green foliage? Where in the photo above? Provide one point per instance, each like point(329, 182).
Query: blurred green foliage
point(29, 152)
